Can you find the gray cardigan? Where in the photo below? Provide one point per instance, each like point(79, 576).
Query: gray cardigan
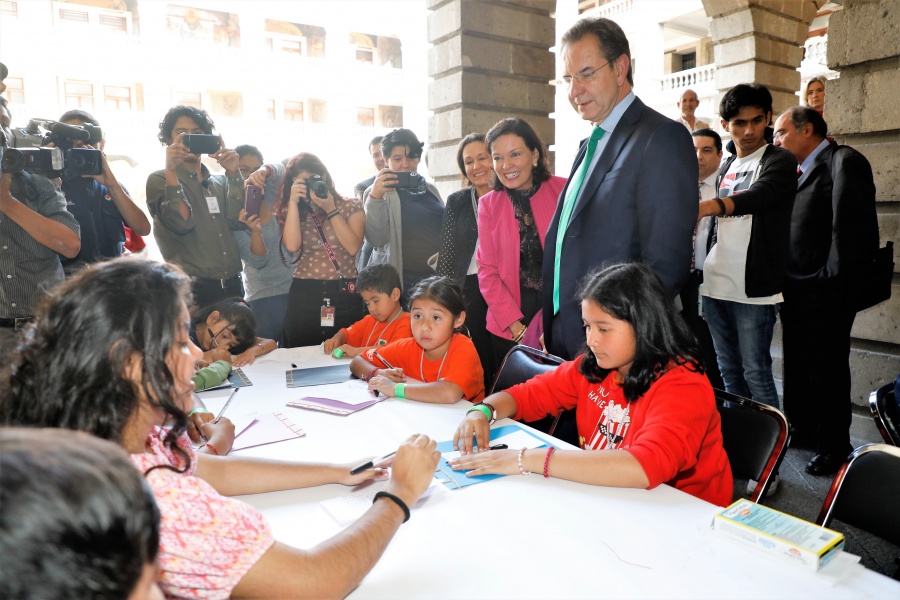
point(384, 229)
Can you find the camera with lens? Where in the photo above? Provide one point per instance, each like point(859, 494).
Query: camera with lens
point(33, 160)
point(316, 185)
point(26, 152)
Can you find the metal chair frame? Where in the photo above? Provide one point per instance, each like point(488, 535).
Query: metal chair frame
point(538, 363)
point(884, 412)
point(854, 500)
point(774, 452)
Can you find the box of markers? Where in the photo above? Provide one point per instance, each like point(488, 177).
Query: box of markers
point(778, 534)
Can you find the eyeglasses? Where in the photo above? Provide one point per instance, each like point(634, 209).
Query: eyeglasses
point(583, 77)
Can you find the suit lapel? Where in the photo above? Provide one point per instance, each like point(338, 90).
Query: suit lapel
point(620, 135)
point(820, 163)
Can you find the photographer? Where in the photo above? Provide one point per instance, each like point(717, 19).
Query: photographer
point(195, 212)
point(403, 219)
point(100, 204)
point(35, 229)
point(327, 229)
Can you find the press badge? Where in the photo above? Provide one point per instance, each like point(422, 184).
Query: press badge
point(213, 203)
point(327, 314)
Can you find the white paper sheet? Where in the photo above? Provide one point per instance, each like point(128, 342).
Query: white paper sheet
point(345, 509)
point(292, 355)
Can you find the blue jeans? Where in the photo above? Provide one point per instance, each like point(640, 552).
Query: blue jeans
point(742, 336)
point(269, 313)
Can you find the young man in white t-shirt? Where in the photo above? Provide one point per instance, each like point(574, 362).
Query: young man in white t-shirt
point(747, 263)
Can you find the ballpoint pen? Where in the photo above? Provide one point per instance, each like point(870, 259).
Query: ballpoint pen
point(369, 464)
point(227, 402)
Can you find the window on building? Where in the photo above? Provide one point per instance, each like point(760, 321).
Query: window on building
point(365, 117)
point(688, 61)
point(189, 98)
point(292, 47)
point(15, 90)
point(293, 111)
point(270, 109)
point(118, 97)
point(79, 94)
point(114, 23)
point(318, 111)
point(364, 55)
point(9, 9)
point(67, 15)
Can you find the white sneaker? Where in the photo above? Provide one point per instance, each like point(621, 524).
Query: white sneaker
point(773, 487)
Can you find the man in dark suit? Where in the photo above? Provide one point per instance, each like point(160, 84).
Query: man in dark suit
point(833, 227)
point(632, 194)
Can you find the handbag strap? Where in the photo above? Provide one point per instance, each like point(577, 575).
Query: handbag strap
point(325, 243)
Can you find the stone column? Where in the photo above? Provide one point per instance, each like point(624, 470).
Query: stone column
point(862, 111)
point(489, 60)
point(761, 41)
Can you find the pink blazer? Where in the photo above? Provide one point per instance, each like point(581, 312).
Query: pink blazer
point(498, 251)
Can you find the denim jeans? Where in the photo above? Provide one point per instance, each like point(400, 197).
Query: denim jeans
point(742, 335)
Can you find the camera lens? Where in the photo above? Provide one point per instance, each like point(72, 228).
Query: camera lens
point(13, 161)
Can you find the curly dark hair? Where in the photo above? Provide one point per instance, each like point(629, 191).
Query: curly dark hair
point(524, 130)
point(402, 137)
point(745, 94)
point(198, 115)
point(632, 292)
point(71, 371)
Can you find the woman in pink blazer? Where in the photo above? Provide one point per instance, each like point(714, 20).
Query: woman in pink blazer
point(512, 222)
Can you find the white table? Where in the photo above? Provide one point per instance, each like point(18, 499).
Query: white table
point(521, 537)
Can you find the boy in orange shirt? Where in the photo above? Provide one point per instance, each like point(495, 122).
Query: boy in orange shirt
point(379, 286)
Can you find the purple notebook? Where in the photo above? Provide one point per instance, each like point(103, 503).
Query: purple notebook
point(334, 407)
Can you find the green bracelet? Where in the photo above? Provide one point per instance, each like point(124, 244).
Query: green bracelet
point(400, 390)
point(483, 410)
point(197, 410)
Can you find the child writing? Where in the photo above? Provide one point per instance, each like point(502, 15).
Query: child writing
point(442, 363)
point(379, 286)
point(227, 331)
point(644, 408)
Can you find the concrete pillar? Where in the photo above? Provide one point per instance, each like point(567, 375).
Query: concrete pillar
point(761, 41)
point(862, 111)
point(489, 60)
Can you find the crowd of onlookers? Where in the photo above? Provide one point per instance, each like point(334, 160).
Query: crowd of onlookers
point(656, 271)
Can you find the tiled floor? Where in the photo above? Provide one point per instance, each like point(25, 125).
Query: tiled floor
point(801, 495)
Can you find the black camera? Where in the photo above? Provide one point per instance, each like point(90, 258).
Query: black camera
point(316, 185)
point(64, 160)
point(33, 160)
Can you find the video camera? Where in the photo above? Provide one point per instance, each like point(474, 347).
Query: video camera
point(27, 151)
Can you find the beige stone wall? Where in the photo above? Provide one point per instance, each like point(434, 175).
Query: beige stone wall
point(489, 60)
point(863, 111)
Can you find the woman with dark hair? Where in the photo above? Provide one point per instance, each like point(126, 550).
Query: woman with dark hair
point(76, 519)
point(403, 223)
point(459, 240)
point(327, 229)
point(513, 221)
point(814, 94)
point(644, 408)
point(109, 354)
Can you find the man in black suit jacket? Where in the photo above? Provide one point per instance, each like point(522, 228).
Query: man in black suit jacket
point(833, 227)
point(633, 199)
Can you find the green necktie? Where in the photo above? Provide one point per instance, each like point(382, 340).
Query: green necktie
point(569, 205)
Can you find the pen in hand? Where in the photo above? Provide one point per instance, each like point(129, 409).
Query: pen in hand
point(369, 464)
point(227, 402)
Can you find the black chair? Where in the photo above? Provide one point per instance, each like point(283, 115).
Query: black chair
point(755, 437)
point(883, 404)
point(522, 363)
point(865, 491)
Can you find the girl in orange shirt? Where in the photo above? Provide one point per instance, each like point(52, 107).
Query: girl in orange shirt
point(438, 364)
